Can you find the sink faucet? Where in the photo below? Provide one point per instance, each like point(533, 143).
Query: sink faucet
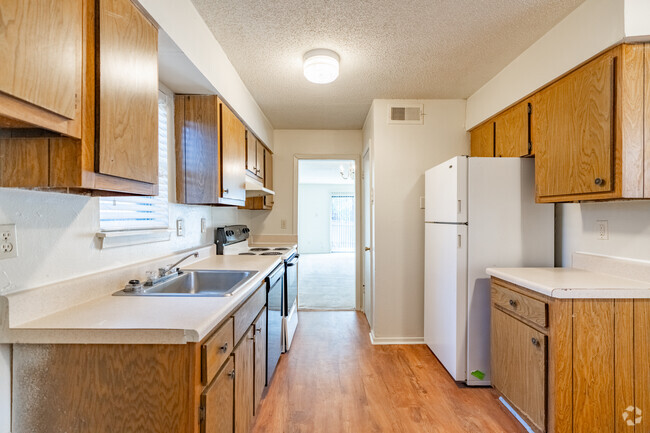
point(167, 272)
point(170, 268)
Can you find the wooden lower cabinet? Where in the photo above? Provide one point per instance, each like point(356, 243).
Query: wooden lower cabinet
point(134, 388)
point(260, 359)
point(523, 350)
point(217, 402)
point(587, 371)
point(244, 355)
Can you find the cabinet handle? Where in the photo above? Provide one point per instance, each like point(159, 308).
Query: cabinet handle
point(224, 348)
point(225, 191)
point(599, 181)
point(258, 330)
point(512, 303)
point(535, 341)
point(232, 374)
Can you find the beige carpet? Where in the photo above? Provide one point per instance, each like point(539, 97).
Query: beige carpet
point(326, 281)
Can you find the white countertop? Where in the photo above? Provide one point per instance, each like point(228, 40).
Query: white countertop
point(146, 319)
point(573, 283)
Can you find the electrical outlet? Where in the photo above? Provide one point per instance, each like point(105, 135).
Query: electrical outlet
point(204, 225)
point(8, 241)
point(603, 231)
point(180, 227)
point(283, 224)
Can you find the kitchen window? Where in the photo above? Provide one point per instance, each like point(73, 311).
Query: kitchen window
point(144, 218)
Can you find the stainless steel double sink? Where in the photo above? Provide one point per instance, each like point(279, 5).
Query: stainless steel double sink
point(196, 283)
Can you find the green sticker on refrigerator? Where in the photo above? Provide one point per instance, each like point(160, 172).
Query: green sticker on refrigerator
point(478, 374)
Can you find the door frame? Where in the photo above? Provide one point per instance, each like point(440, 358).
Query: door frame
point(371, 241)
point(357, 214)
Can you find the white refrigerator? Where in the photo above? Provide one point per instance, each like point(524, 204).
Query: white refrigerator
point(479, 213)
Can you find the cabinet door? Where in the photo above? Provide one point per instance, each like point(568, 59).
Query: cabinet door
point(260, 358)
point(244, 382)
point(217, 402)
point(251, 152)
point(519, 366)
point(197, 126)
point(483, 140)
point(233, 155)
point(127, 132)
point(268, 179)
point(573, 132)
point(260, 160)
point(40, 53)
point(641, 365)
point(511, 131)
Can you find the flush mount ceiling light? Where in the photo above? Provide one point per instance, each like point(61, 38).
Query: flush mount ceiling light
point(321, 66)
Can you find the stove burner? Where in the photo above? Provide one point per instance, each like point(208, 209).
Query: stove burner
point(259, 249)
point(271, 253)
point(280, 249)
point(247, 254)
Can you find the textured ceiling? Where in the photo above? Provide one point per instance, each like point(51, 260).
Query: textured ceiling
point(411, 49)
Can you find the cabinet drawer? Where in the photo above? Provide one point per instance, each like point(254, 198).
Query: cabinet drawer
point(216, 350)
point(522, 305)
point(519, 366)
point(249, 311)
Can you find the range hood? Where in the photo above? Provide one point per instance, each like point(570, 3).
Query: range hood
point(254, 188)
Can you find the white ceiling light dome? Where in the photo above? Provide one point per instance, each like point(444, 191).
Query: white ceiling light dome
point(321, 66)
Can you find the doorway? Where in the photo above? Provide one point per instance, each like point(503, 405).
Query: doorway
point(327, 235)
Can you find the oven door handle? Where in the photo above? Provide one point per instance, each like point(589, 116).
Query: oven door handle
point(294, 262)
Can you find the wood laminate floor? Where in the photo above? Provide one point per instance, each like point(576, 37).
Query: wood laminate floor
point(334, 380)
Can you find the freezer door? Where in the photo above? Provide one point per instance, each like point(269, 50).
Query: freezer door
point(446, 192)
point(445, 295)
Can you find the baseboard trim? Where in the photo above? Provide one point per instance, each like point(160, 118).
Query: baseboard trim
point(394, 340)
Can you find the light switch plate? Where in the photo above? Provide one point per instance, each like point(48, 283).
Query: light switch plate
point(180, 227)
point(283, 224)
point(204, 225)
point(8, 241)
point(422, 203)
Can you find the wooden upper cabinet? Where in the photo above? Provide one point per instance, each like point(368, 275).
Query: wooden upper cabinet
point(483, 140)
point(251, 153)
point(261, 152)
point(128, 92)
point(233, 157)
point(198, 179)
point(588, 130)
point(511, 131)
point(111, 147)
point(40, 64)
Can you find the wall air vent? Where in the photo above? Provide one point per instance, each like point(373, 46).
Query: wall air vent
point(406, 114)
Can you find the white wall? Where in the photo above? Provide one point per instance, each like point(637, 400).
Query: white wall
point(289, 143)
point(401, 154)
point(628, 223)
point(591, 28)
point(637, 19)
point(182, 22)
point(314, 206)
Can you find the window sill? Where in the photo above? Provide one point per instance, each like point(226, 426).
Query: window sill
point(132, 237)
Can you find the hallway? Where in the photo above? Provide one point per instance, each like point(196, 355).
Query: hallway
point(326, 281)
point(333, 380)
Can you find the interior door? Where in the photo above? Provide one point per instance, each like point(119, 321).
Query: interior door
point(367, 241)
point(445, 295)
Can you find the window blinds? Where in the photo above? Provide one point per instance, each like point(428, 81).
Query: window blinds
point(142, 213)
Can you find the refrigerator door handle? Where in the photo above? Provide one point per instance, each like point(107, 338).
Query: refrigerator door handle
point(459, 241)
point(459, 207)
